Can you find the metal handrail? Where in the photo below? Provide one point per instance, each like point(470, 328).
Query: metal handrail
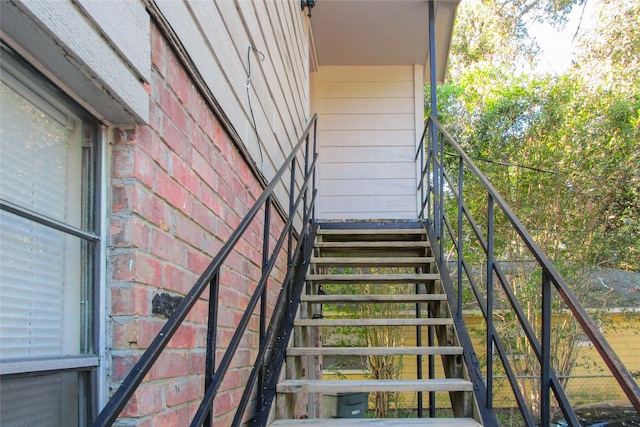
point(432, 189)
point(214, 376)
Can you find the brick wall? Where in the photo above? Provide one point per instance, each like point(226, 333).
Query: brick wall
point(179, 187)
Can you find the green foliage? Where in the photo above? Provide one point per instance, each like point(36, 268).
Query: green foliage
point(563, 151)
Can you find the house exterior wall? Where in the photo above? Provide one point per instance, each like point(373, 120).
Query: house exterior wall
point(177, 175)
point(266, 85)
point(369, 117)
point(179, 188)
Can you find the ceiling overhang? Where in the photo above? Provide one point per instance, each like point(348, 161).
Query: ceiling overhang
point(382, 32)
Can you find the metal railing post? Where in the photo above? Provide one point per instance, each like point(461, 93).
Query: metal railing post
point(422, 146)
point(263, 296)
point(314, 184)
point(489, 320)
point(460, 230)
point(545, 365)
point(212, 326)
point(428, 174)
point(419, 356)
point(306, 174)
point(441, 193)
point(292, 186)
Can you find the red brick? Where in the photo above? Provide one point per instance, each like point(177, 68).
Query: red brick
point(185, 337)
point(200, 311)
point(144, 168)
point(232, 379)
point(201, 336)
point(137, 333)
point(129, 300)
point(147, 400)
point(137, 267)
point(124, 136)
point(167, 247)
point(185, 175)
point(178, 279)
point(223, 404)
point(150, 142)
point(185, 389)
point(175, 139)
point(197, 261)
point(171, 191)
point(201, 143)
point(204, 169)
point(170, 364)
point(175, 417)
point(158, 50)
point(228, 296)
point(232, 218)
point(226, 317)
point(122, 196)
point(151, 208)
point(179, 81)
point(209, 124)
point(197, 362)
point(123, 163)
point(122, 366)
point(204, 217)
point(129, 233)
point(172, 108)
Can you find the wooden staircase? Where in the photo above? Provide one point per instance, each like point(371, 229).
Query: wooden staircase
point(388, 264)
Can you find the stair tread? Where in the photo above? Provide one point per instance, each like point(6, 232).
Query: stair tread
point(372, 298)
point(373, 278)
point(374, 244)
point(374, 351)
point(358, 386)
point(372, 261)
point(370, 231)
point(375, 322)
point(379, 422)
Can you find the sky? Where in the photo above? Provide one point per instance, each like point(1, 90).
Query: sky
point(558, 46)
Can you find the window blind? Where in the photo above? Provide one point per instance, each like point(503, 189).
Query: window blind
point(40, 267)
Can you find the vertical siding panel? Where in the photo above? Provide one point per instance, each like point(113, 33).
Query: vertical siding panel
point(217, 36)
point(280, 42)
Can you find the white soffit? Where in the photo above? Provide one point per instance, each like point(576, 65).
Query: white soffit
point(381, 32)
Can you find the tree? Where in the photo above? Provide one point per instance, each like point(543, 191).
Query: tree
point(562, 150)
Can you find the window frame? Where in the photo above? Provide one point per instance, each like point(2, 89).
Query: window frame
point(38, 89)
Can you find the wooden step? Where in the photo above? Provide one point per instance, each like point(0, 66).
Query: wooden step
point(372, 261)
point(362, 386)
point(373, 278)
point(372, 234)
point(379, 422)
point(368, 299)
point(372, 351)
point(370, 231)
point(373, 245)
point(375, 322)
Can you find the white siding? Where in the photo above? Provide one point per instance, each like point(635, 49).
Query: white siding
point(368, 119)
point(217, 35)
point(99, 51)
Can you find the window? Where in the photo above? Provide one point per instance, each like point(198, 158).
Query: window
point(48, 252)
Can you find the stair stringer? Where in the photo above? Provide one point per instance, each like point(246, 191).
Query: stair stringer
point(283, 337)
